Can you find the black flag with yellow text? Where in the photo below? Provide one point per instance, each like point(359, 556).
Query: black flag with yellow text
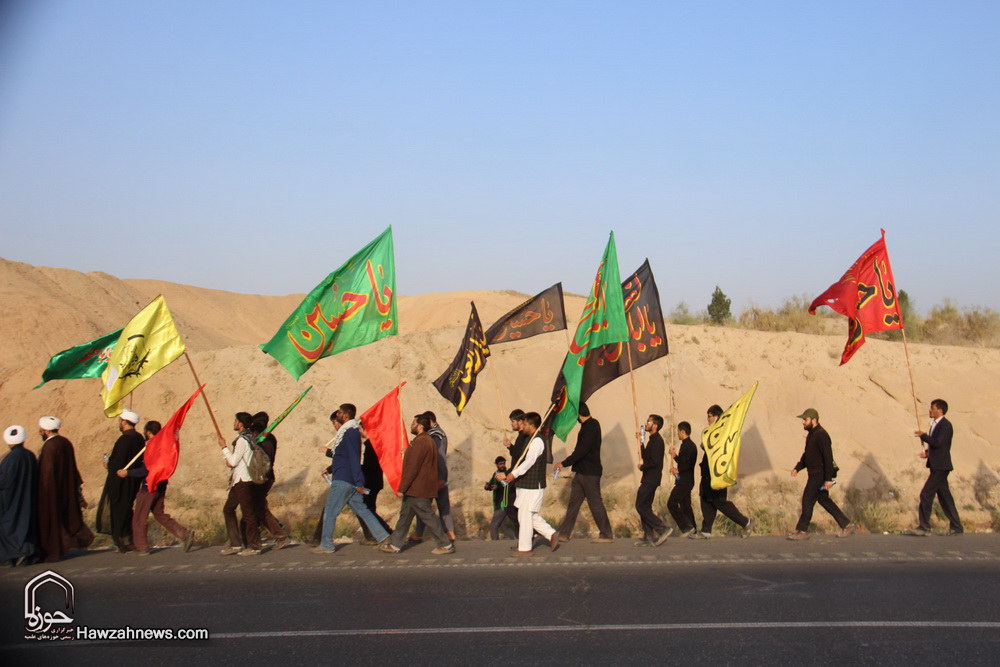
point(458, 382)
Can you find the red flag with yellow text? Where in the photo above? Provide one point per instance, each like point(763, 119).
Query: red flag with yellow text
point(866, 295)
point(163, 449)
point(383, 424)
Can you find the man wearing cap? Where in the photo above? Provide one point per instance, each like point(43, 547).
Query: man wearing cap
point(60, 495)
point(114, 511)
point(18, 486)
point(818, 460)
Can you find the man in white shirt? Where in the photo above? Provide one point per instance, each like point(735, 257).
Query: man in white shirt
point(528, 477)
point(237, 457)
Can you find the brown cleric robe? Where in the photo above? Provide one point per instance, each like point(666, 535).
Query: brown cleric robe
point(60, 517)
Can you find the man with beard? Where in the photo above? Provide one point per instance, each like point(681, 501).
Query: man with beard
point(60, 495)
point(818, 460)
point(654, 531)
point(443, 500)
point(114, 511)
point(679, 502)
point(586, 463)
point(18, 486)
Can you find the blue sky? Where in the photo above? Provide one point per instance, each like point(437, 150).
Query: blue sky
point(254, 146)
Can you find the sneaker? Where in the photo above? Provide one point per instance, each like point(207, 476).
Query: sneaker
point(689, 532)
point(848, 530)
point(142, 552)
point(389, 548)
point(384, 540)
point(663, 536)
point(188, 541)
point(917, 532)
point(368, 542)
point(602, 540)
point(231, 551)
point(440, 551)
point(798, 535)
point(954, 533)
point(643, 543)
point(695, 535)
point(746, 529)
point(249, 552)
point(323, 550)
point(281, 543)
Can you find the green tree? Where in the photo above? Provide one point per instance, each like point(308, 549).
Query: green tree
point(718, 309)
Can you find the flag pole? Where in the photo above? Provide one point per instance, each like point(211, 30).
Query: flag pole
point(204, 396)
point(635, 402)
point(906, 348)
point(134, 459)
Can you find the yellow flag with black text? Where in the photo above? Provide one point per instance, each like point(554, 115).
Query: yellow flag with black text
point(721, 442)
point(148, 342)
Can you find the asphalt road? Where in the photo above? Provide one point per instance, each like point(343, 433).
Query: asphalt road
point(867, 600)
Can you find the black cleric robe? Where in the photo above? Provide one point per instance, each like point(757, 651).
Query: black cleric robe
point(114, 512)
point(18, 518)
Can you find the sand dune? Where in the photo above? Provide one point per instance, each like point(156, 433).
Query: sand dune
point(866, 405)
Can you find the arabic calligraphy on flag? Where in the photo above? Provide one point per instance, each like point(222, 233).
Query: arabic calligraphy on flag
point(540, 314)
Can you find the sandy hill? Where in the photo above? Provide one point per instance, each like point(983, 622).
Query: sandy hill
point(866, 406)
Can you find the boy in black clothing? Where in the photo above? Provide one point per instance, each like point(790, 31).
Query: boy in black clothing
point(499, 487)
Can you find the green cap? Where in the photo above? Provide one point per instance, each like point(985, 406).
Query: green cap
point(809, 414)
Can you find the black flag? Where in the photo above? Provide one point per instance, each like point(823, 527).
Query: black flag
point(458, 382)
point(647, 338)
point(540, 314)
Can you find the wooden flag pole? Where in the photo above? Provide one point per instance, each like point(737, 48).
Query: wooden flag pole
point(913, 384)
point(635, 401)
point(540, 425)
point(134, 459)
point(399, 375)
point(204, 396)
point(906, 350)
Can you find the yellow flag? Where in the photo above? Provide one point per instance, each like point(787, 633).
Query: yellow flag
point(721, 442)
point(147, 343)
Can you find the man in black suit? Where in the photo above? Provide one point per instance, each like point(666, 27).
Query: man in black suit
point(654, 531)
point(817, 459)
point(586, 463)
point(714, 501)
point(679, 502)
point(938, 455)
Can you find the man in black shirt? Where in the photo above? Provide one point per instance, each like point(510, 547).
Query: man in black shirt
point(586, 463)
point(714, 501)
point(654, 531)
point(679, 502)
point(818, 460)
point(498, 485)
point(515, 449)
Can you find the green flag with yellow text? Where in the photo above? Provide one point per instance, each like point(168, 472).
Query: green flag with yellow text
point(601, 323)
point(355, 305)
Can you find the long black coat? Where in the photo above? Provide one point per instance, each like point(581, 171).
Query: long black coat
point(18, 516)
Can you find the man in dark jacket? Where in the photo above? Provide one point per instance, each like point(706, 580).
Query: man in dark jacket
point(586, 463)
point(679, 502)
point(818, 460)
point(348, 480)
point(938, 454)
point(442, 500)
point(265, 518)
point(654, 531)
point(714, 501)
point(418, 484)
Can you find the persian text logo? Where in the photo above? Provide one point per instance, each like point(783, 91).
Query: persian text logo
point(47, 623)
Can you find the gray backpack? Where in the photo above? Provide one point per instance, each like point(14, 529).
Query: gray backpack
point(259, 465)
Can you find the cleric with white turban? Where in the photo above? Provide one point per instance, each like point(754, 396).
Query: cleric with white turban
point(18, 483)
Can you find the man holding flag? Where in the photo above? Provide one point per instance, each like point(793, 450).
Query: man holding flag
point(715, 500)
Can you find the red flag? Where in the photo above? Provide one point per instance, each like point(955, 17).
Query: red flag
point(383, 424)
point(163, 448)
point(866, 295)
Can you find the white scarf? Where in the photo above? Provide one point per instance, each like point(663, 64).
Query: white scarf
point(350, 423)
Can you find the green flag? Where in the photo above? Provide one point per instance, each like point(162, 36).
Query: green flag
point(87, 360)
point(602, 322)
point(280, 418)
point(355, 305)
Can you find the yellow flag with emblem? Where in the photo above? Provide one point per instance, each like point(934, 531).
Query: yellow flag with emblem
point(721, 442)
point(147, 343)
